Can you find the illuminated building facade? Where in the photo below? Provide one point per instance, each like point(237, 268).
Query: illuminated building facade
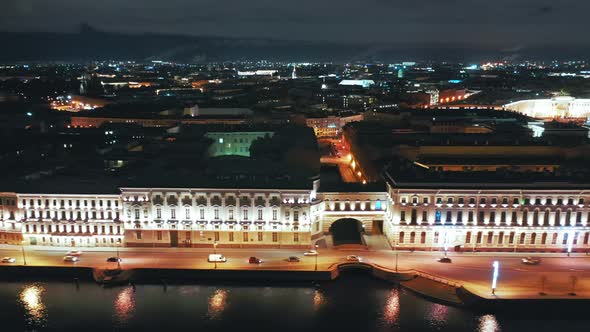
point(331, 126)
point(488, 219)
point(554, 108)
point(410, 217)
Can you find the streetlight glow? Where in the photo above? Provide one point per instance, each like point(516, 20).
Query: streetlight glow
point(496, 266)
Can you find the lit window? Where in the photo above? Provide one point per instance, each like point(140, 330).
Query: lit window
point(220, 140)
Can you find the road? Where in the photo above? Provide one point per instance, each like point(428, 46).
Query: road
point(473, 270)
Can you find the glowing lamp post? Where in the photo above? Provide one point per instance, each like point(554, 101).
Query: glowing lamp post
point(496, 266)
point(22, 246)
point(215, 253)
point(316, 257)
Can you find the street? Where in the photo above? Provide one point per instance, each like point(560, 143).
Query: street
point(474, 270)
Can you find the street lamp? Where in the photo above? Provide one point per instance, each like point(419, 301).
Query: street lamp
point(22, 246)
point(496, 266)
point(215, 253)
point(570, 243)
point(316, 257)
point(396, 255)
point(118, 259)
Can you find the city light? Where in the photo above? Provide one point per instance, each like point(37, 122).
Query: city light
point(496, 266)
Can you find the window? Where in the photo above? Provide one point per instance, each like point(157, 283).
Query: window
point(503, 217)
point(533, 238)
point(492, 216)
point(437, 216)
point(275, 237)
point(402, 216)
point(187, 213)
point(521, 238)
point(295, 237)
point(378, 205)
point(231, 236)
point(159, 213)
point(449, 200)
point(216, 213)
point(472, 200)
point(245, 215)
point(172, 214)
point(479, 236)
point(544, 238)
point(425, 200)
point(401, 237)
point(480, 218)
point(461, 200)
point(201, 214)
point(505, 200)
point(482, 200)
point(274, 214)
point(449, 217)
point(295, 215)
point(501, 238)
point(259, 214)
point(459, 216)
point(490, 237)
point(511, 238)
point(260, 236)
point(424, 216)
point(470, 216)
point(137, 235)
point(554, 238)
point(565, 238)
point(216, 236)
point(435, 240)
point(230, 214)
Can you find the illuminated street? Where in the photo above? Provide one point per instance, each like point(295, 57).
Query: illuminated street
point(473, 270)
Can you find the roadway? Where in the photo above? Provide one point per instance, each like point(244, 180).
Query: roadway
point(473, 270)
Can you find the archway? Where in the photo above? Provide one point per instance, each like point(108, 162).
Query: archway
point(346, 231)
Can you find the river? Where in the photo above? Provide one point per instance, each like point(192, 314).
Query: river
point(354, 302)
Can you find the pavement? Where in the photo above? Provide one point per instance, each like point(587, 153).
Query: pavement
point(558, 276)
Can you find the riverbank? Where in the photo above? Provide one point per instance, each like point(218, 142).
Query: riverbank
point(430, 287)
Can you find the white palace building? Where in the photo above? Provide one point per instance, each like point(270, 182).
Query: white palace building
point(554, 108)
point(505, 217)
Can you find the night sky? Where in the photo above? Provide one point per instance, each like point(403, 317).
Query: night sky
point(514, 22)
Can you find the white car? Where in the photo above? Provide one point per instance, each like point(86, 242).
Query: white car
point(216, 258)
point(74, 253)
point(8, 260)
point(310, 253)
point(70, 258)
point(353, 258)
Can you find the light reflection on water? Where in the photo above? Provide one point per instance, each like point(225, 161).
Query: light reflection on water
point(438, 315)
point(391, 310)
point(217, 303)
point(488, 323)
point(319, 299)
point(31, 300)
point(124, 305)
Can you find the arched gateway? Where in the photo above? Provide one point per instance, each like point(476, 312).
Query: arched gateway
point(347, 231)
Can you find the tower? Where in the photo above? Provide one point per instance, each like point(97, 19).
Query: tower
point(294, 73)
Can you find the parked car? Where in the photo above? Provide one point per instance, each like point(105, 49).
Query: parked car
point(8, 260)
point(531, 260)
point(353, 258)
point(114, 259)
point(444, 260)
point(70, 258)
point(254, 260)
point(293, 259)
point(216, 258)
point(310, 253)
point(74, 253)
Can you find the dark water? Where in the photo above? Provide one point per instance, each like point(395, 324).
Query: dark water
point(352, 303)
